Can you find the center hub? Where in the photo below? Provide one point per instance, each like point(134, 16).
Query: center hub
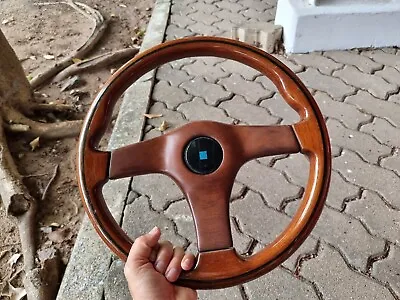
point(203, 155)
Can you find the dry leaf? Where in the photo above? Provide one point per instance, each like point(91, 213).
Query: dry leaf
point(164, 126)
point(76, 60)
point(46, 229)
point(34, 144)
point(16, 293)
point(47, 253)
point(60, 235)
point(123, 5)
point(48, 56)
point(152, 116)
point(13, 260)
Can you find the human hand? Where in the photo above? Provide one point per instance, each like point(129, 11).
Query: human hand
point(151, 268)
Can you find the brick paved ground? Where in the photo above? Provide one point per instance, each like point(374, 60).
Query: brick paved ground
point(354, 251)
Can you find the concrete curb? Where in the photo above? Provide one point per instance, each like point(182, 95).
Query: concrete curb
point(87, 270)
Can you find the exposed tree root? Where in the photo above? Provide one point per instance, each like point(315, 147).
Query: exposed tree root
point(100, 61)
point(98, 31)
point(37, 129)
point(50, 107)
point(16, 106)
point(20, 204)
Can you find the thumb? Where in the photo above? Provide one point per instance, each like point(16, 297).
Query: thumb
point(142, 247)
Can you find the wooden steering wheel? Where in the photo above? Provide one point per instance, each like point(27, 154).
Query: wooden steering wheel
point(203, 158)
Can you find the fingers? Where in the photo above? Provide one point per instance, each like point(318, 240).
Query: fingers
point(174, 267)
point(164, 256)
point(188, 261)
point(170, 261)
point(142, 248)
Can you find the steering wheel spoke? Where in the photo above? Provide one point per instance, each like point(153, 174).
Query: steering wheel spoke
point(138, 159)
point(260, 141)
point(209, 204)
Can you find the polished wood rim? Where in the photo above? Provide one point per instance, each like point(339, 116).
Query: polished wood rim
point(218, 264)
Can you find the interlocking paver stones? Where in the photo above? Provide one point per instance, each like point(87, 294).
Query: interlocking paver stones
point(335, 150)
point(233, 17)
point(198, 110)
point(175, 32)
point(279, 108)
point(377, 107)
point(363, 63)
point(383, 58)
point(267, 83)
point(380, 219)
point(308, 247)
point(388, 269)
point(279, 284)
point(349, 235)
point(239, 109)
point(252, 91)
point(336, 281)
point(226, 26)
point(392, 162)
point(211, 92)
point(203, 29)
point(335, 87)
point(256, 15)
point(173, 118)
point(390, 74)
point(296, 166)
point(292, 66)
point(205, 7)
point(210, 72)
point(269, 182)
point(172, 96)
point(258, 220)
point(140, 219)
point(256, 4)
point(384, 132)
point(171, 75)
point(182, 8)
point(233, 7)
point(381, 180)
point(323, 64)
point(340, 190)
point(394, 98)
point(201, 16)
point(159, 188)
point(364, 144)
point(346, 113)
point(223, 294)
point(246, 72)
point(181, 21)
point(371, 83)
point(180, 213)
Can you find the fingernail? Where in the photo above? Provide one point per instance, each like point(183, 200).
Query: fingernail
point(153, 256)
point(186, 264)
point(159, 266)
point(154, 230)
point(172, 274)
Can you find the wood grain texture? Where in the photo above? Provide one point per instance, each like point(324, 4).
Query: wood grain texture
point(218, 264)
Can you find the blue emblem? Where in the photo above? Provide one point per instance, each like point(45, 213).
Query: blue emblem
point(203, 155)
